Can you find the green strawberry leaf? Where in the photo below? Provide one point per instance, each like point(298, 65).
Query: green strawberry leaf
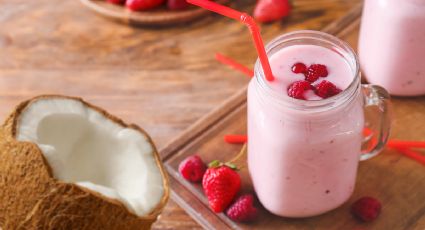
point(231, 165)
point(214, 164)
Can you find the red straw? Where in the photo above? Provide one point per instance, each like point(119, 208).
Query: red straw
point(412, 154)
point(240, 139)
point(393, 143)
point(406, 144)
point(234, 64)
point(248, 21)
point(235, 139)
point(367, 132)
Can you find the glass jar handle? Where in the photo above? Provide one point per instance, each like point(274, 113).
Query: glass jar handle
point(377, 120)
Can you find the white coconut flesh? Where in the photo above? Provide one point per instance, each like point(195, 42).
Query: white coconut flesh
point(84, 147)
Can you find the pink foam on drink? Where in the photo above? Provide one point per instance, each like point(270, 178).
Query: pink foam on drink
point(282, 62)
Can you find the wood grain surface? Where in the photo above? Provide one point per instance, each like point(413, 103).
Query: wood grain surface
point(161, 79)
point(396, 180)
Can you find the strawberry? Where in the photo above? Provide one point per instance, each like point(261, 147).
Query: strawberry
point(136, 5)
point(117, 2)
point(271, 10)
point(243, 209)
point(221, 183)
point(366, 209)
point(177, 4)
point(192, 168)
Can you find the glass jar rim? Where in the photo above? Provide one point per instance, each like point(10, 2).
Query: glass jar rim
point(315, 38)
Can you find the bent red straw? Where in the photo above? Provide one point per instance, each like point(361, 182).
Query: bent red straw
point(234, 64)
point(248, 21)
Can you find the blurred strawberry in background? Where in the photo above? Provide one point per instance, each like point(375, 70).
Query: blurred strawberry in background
point(118, 2)
point(265, 11)
point(177, 4)
point(143, 4)
point(271, 10)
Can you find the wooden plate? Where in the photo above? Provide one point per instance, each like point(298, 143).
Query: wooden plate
point(156, 17)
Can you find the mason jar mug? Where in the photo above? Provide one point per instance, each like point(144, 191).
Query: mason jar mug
point(392, 45)
point(303, 155)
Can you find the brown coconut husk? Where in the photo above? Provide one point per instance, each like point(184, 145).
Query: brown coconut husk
point(31, 198)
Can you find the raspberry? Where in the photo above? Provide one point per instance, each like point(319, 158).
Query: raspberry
point(311, 76)
point(243, 209)
point(299, 68)
point(366, 208)
point(315, 71)
point(192, 168)
point(326, 89)
point(318, 69)
point(297, 89)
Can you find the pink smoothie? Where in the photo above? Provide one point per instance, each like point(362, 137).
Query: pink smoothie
point(392, 45)
point(282, 62)
point(303, 163)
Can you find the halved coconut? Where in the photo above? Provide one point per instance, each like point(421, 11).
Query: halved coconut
point(66, 164)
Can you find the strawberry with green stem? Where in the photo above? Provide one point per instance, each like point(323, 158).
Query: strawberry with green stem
point(221, 183)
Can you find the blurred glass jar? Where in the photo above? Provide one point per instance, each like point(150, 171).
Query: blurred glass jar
point(392, 45)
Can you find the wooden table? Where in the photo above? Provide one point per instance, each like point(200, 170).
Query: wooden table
point(161, 79)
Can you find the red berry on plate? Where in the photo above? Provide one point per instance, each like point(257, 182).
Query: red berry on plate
point(177, 4)
point(221, 184)
point(192, 168)
point(366, 209)
point(299, 68)
point(271, 10)
point(136, 5)
point(243, 210)
point(117, 2)
point(326, 89)
point(298, 88)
